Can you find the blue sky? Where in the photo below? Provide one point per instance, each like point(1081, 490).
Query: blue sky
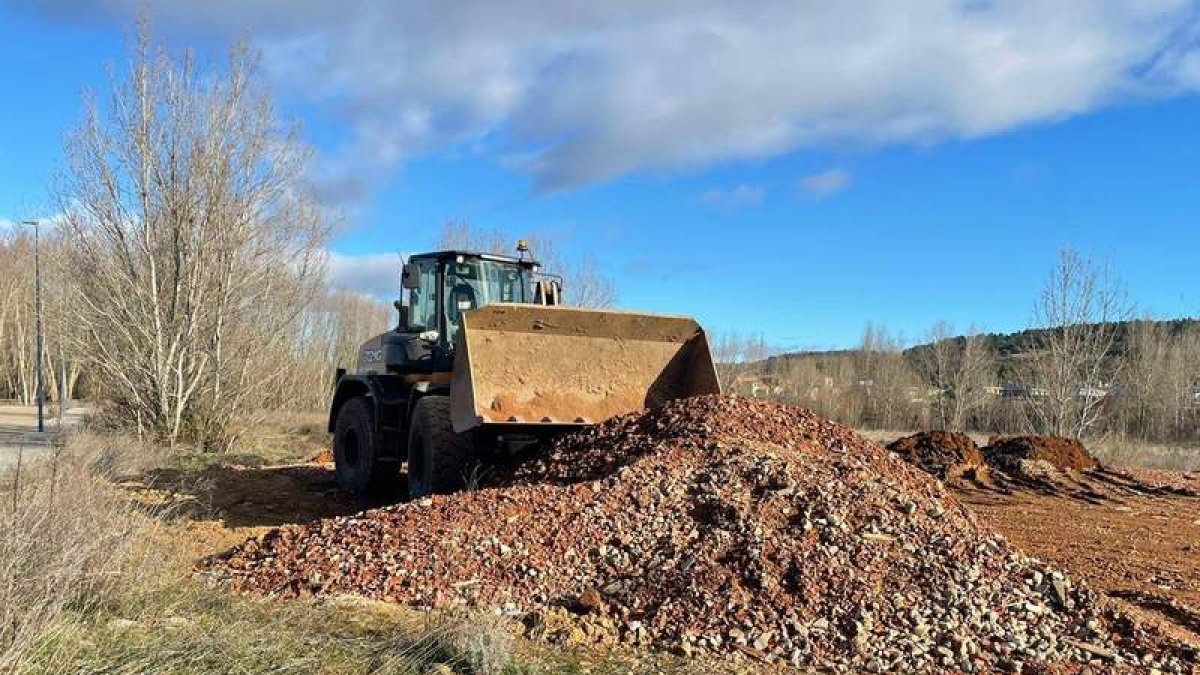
point(726, 165)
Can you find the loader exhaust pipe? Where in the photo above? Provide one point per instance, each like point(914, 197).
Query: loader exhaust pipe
point(566, 366)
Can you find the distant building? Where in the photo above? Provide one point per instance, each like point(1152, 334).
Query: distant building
point(759, 386)
point(923, 394)
point(1092, 392)
point(1016, 390)
point(1009, 390)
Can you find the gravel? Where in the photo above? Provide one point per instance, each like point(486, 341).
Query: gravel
point(725, 527)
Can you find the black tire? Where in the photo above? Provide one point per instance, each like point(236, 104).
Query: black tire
point(439, 460)
point(355, 455)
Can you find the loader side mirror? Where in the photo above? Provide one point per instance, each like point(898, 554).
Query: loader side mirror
point(410, 277)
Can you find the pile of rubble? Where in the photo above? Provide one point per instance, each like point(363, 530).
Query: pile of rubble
point(1038, 456)
point(724, 527)
point(943, 454)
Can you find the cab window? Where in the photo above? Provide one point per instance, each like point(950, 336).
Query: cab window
point(474, 283)
point(422, 301)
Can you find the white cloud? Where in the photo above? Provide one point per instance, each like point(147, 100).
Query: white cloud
point(826, 183)
point(579, 92)
point(742, 195)
point(372, 274)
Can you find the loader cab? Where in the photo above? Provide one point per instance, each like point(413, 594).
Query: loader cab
point(442, 286)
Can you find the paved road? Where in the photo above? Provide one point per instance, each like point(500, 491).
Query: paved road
point(19, 435)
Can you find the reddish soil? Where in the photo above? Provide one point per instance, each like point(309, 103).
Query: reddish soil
point(944, 454)
point(722, 526)
point(1062, 453)
point(1134, 535)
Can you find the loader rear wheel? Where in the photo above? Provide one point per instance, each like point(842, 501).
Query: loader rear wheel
point(355, 455)
point(439, 460)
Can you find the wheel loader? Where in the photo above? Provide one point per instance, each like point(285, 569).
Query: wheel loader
point(486, 360)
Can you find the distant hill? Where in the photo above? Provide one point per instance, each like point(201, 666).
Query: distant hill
point(1013, 344)
point(1006, 346)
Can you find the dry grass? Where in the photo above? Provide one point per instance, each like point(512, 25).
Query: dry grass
point(285, 436)
point(262, 437)
point(185, 627)
point(93, 581)
point(66, 539)
point(480, 643)
point(1124, 452)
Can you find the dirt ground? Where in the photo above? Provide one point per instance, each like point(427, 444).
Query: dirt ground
point(220, 506)
point(1135, 535)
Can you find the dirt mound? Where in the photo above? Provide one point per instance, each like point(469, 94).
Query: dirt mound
point(1154, 481)
point(944, 454)
point(1060, 453)
point(722, 526)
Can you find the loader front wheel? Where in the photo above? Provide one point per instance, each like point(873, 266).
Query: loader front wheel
point(439, 460)
point(355, 453)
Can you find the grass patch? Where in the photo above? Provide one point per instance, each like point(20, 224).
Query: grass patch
point(187, 628)
point(67, 538)
point(1123, 452)
point(94, 578)
point(282, 437)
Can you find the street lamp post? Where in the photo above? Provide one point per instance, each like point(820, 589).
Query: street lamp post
point(37, 294)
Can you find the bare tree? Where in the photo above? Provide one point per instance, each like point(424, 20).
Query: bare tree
point(885, 380)
point(588, 286)
point(193, 244)
point(329, 335)
point(735, 354)
point(1075, 362)
point(1158, 385)
point(1184, 383)
point(829, 384)
point(959, 369)
point(17, 311)
point(459, 234)
point(1145, 387)
point(16, 317)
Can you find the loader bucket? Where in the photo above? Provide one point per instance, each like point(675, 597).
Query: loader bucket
point(541, 365)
